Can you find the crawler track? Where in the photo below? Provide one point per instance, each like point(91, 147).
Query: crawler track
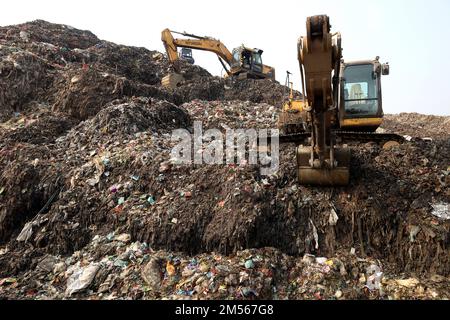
point(345, 136)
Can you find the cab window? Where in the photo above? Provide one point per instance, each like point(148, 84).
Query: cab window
point(236, 56)
point(360, 90)
point(257, 58)
point(186, 52)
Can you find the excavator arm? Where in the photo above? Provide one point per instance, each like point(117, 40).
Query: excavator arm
point(200, 43)
point(319, 55)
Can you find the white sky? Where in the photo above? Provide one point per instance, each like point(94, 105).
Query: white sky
point(411, 35)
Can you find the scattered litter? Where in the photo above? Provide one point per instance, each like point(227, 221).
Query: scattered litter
point(441, 210)
point(409, 283)
point(249, 264)
point(333, 218)
point(26, 232)
point(124, 237)
point(151, 200)
point(81, 278)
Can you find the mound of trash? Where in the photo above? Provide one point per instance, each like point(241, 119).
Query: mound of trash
point(40, 31)
point(426, 126)
point(93, 205)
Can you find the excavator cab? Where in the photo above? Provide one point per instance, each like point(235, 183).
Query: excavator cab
point(186, 55)
point(257, 65)
point(360, 87)
point(248, 60)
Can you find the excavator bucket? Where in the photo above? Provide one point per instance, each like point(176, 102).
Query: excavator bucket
point(337, 176)
point(172, 80)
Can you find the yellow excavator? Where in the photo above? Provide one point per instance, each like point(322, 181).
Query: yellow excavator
point(342, 101)
point(242, 62)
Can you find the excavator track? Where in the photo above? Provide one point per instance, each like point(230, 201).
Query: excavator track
point(369, 136)
point(344, 136)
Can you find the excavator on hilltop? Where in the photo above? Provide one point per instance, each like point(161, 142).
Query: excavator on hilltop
point(342, 102)
point(242, 62)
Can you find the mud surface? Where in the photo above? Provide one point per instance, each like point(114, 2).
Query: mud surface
point(85, 142)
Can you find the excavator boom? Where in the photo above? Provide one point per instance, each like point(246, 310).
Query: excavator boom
point(200, 43)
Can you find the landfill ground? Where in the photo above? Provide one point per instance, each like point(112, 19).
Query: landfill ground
point(92, 207)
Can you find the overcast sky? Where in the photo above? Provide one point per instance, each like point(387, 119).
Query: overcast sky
point(412, 35)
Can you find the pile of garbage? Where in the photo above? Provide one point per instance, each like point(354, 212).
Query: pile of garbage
point(426, 126)
point(93, 205)
point(111, 266)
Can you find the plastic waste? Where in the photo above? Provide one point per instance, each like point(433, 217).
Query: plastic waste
point(441, 210)
point(81, 278)
point(26, 232)
point(249, 264)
